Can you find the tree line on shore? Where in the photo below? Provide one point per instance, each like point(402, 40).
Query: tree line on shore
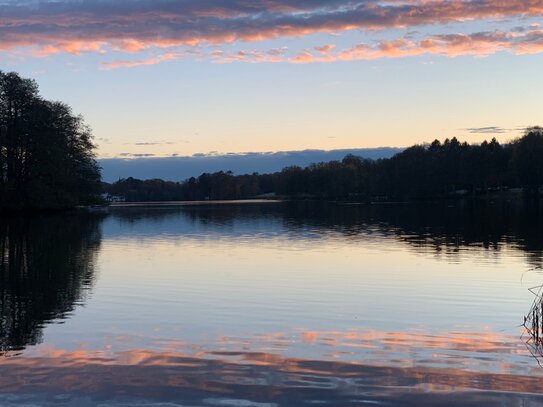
point(47, 158)
point(426, 171)
point(47, 161)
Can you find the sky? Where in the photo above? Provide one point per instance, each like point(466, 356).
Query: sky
point(163, 78)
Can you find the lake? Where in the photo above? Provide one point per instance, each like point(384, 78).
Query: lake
point(273, 304)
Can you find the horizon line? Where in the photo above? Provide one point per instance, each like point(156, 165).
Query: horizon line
point(211, 154)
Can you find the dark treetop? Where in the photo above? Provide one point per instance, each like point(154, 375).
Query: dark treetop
point(428, 171)
point(46, 152)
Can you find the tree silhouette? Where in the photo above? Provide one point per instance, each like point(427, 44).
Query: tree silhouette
point(528, 159)
point(445, 169)
point(46, 152)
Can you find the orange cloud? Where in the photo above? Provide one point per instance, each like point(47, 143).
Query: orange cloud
point(154, 59)
point(133, 26)
point(148, 61)
point(479, 44)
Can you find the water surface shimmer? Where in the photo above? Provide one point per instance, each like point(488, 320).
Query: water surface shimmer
point(271, 304)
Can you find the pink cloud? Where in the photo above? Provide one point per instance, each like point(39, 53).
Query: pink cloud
point(480, 44)
point(325, 49)
point(169, 56)
point(148, 61)
point(133, 26)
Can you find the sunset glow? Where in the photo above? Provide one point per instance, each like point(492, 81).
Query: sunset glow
point(177, 78)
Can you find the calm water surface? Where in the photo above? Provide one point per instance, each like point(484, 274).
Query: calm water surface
point(274, 304)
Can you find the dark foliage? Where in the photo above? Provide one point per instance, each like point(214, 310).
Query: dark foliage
point(436, 170)
point(46, 152)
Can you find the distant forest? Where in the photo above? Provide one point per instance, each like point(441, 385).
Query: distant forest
point(46, 152)
point(438, 170)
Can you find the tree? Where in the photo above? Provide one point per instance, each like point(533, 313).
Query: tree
point(47, 157)
point(445, 169)
point(528, 158)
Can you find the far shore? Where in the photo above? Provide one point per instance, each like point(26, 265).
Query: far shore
point(504, 196)
point(193, 203)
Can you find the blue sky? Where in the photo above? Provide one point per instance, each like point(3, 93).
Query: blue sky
point(164, 77)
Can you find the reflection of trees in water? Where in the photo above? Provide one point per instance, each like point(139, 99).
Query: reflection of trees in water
point(46, 267)
point(441, 227)
point(206, 213)
point(47, 263)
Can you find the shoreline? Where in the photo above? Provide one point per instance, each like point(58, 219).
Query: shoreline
point(499, 197)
